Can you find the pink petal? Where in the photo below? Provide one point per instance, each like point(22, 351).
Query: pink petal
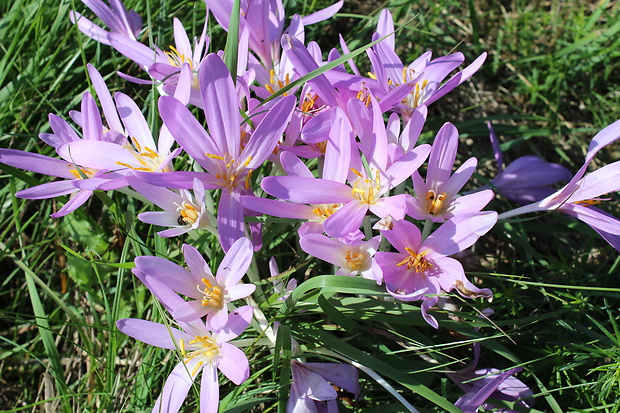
point(234, 364)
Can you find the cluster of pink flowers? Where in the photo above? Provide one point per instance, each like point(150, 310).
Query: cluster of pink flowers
point(262, 131)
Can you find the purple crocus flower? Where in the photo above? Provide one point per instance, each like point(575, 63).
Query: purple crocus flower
point(421, 269)
point(353, 258)
point(229, 162)
point(264, 20)
point(182, 211)
point(425, 75)
point(311, 391)
point(202, 350)
point(527, 179)
point(82, 175)
point(209, 295)
point(481, 384)
point(165, 66)
point(436, 197)
point(585, 190)
point(367, 187)
point(126, 23)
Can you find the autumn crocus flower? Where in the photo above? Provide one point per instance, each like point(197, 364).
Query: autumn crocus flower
point(422, 269)
point(311, 391)
point(352, 258)
point(228, 163)
point(424, 74)
point(436, 197)
point(126, 23)
point(481, 384)
point(80, 177)
point(578, 197)
point(183, 211)
point(209, 295)
point(202, 350)
point(367, 189)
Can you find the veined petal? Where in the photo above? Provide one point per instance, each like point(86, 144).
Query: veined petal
point(234, 364)
point(154, 334)
point(404, 234)
point(36, 163)
point(602, 181)
point(459, 178)
point(459, 233)
point(229, 218)
point(238, 321)
point(221, 105)
point(346, 220)
point(190, 310)
point(74, 203)
point(264, 139)
point(236, 262)
point(306, 190)
point(209, 390)
point(134, 121)
point(177, 386)
point(188, 132)
point(442, 156)
point(278, 208)
point(170, 274)
point(96, 154)
point(239, 291)
point(594, 217)
point(197, 265)
point(48, 190)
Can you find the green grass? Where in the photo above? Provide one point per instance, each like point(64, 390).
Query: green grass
point(550, 82)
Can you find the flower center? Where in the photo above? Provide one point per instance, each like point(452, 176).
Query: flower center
point(232, 173)
point(82, 173)
point(211, 294)
point(366, 190)
point(355, 260)
point(188, 214)
point(434, 202)
point(204, 348)
point(309, 103)
point(148, 159)
point(276, 84)
point(416, 261)
point(176, 58)
point(324, 211)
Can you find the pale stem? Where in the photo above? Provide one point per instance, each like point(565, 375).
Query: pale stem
point(428, 226)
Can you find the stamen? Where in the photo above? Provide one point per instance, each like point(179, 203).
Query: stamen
point(434, 204)
point(212, 294)
point(416, 261)
point(355, 260)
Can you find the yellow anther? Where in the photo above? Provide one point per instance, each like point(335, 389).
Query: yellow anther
point(355, 260)
point(416, 261)
point(212, 295)
point(434, 203)
point(324, 211)
point(213, 156)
